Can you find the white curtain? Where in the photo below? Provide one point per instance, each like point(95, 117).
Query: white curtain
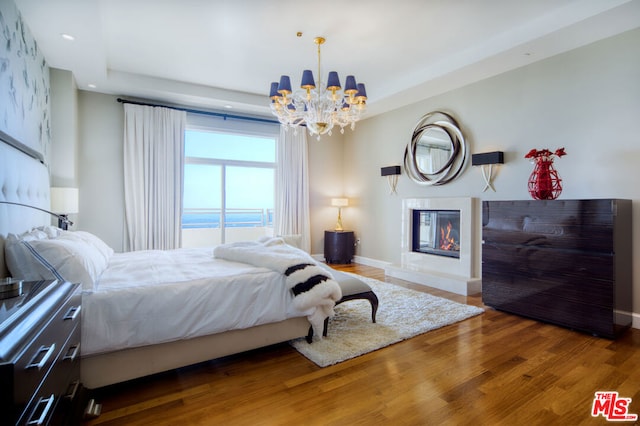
point(292, 187)
point(153, 170)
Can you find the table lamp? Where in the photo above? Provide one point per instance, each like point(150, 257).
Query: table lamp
point(339, 203)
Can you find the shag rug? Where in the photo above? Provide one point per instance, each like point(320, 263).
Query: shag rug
point(402, 313)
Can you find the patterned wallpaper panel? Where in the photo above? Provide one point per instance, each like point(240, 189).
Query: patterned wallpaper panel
point(24, 83)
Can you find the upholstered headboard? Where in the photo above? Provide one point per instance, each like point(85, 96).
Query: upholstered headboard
point(23, 179)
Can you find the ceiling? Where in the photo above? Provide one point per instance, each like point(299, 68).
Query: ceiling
point(218, 54)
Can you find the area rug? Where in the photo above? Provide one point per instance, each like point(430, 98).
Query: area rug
point(402, 313)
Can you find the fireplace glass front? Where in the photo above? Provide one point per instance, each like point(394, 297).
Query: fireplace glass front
point(436, 232)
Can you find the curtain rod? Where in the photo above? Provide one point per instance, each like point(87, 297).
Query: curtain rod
point(197, 111)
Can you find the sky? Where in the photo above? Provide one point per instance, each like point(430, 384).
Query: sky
point(248, 186)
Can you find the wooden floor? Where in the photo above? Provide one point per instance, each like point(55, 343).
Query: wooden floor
point(492, 369)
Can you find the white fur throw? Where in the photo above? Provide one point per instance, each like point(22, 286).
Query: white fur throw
point(313, 287)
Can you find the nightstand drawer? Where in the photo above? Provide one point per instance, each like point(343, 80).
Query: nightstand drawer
point(39, 349)
point(55, 394)
point(38, 357)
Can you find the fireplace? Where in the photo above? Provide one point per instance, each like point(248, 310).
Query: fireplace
point(436, 232)
point(440, 245)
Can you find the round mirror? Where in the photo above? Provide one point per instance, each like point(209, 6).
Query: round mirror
point(437, 152)
point(434, 150)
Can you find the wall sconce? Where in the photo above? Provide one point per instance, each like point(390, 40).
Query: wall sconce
point(487, 160)
point(392, 173)
point(339, 203)
point(64, 201)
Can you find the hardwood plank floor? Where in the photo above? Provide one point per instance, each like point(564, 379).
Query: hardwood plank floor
point(492, 369)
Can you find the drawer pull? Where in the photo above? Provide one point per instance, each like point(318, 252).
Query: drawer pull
point(72, 313)
point(48, 352)
point(72, 352)
point(45, 411)
point(72, 390)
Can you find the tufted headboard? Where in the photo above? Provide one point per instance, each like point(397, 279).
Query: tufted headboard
point(23, 179)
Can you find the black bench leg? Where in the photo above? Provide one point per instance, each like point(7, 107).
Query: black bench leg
point(369, 295)
point(373, 299)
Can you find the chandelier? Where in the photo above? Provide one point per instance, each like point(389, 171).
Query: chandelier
point(321, 107)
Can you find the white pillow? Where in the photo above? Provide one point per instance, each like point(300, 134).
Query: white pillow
point(34, 234)
point(57, 258)
point(19, 259)
point(90, 239)
point(50, 230)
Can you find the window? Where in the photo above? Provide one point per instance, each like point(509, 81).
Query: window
point(229, 181)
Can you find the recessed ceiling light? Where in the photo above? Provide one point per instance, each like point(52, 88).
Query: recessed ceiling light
point(68, 37)
point(228, 106)
point(91, 86)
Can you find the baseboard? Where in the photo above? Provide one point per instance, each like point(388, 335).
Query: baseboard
point(371, 262)
point(358, 259)
point(635, 323)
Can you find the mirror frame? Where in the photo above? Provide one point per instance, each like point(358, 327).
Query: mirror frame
point(455, 163)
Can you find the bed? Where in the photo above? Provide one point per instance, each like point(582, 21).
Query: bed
point(126, 335)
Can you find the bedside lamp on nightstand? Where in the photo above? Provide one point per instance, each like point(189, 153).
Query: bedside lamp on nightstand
point(339, 203)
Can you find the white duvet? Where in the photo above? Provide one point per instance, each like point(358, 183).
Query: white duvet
point(149, 297)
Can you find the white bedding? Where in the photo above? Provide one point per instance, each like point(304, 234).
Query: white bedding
point(140, 299)
point(313, 286)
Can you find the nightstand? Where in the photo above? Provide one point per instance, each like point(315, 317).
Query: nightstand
point(339, 246)
point(40, 354)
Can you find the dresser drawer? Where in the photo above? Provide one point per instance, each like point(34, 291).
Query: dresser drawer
point(55, 395)
point(45, 352)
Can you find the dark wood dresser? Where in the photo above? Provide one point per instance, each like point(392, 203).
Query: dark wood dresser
point(40, 354)
point(566, 262)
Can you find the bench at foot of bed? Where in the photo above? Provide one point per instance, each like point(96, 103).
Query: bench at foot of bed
point(352, 289)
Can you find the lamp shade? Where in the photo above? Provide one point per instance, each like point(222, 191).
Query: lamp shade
point(350, 86)
point(307, 80)
point(285, 85)
point(64, 200)
point(333, 82)
point(339, 202)
point(495, 157)
point(273, 93)
point(362, 92)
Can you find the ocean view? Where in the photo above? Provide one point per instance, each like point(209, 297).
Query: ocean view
point(233, 219)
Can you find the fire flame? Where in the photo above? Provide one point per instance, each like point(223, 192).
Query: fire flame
point(447, 242)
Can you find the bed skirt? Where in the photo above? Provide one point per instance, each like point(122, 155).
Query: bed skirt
point(114, 367)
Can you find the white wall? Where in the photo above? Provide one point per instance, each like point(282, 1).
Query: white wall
point(64, 128)
point(586, 100)
point(326, 165)
point(101, 167)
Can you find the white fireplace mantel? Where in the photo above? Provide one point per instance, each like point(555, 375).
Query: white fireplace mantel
point(445, 273)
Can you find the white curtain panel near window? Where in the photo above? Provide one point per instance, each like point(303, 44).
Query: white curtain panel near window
point(153, 170)
point(292, 187)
